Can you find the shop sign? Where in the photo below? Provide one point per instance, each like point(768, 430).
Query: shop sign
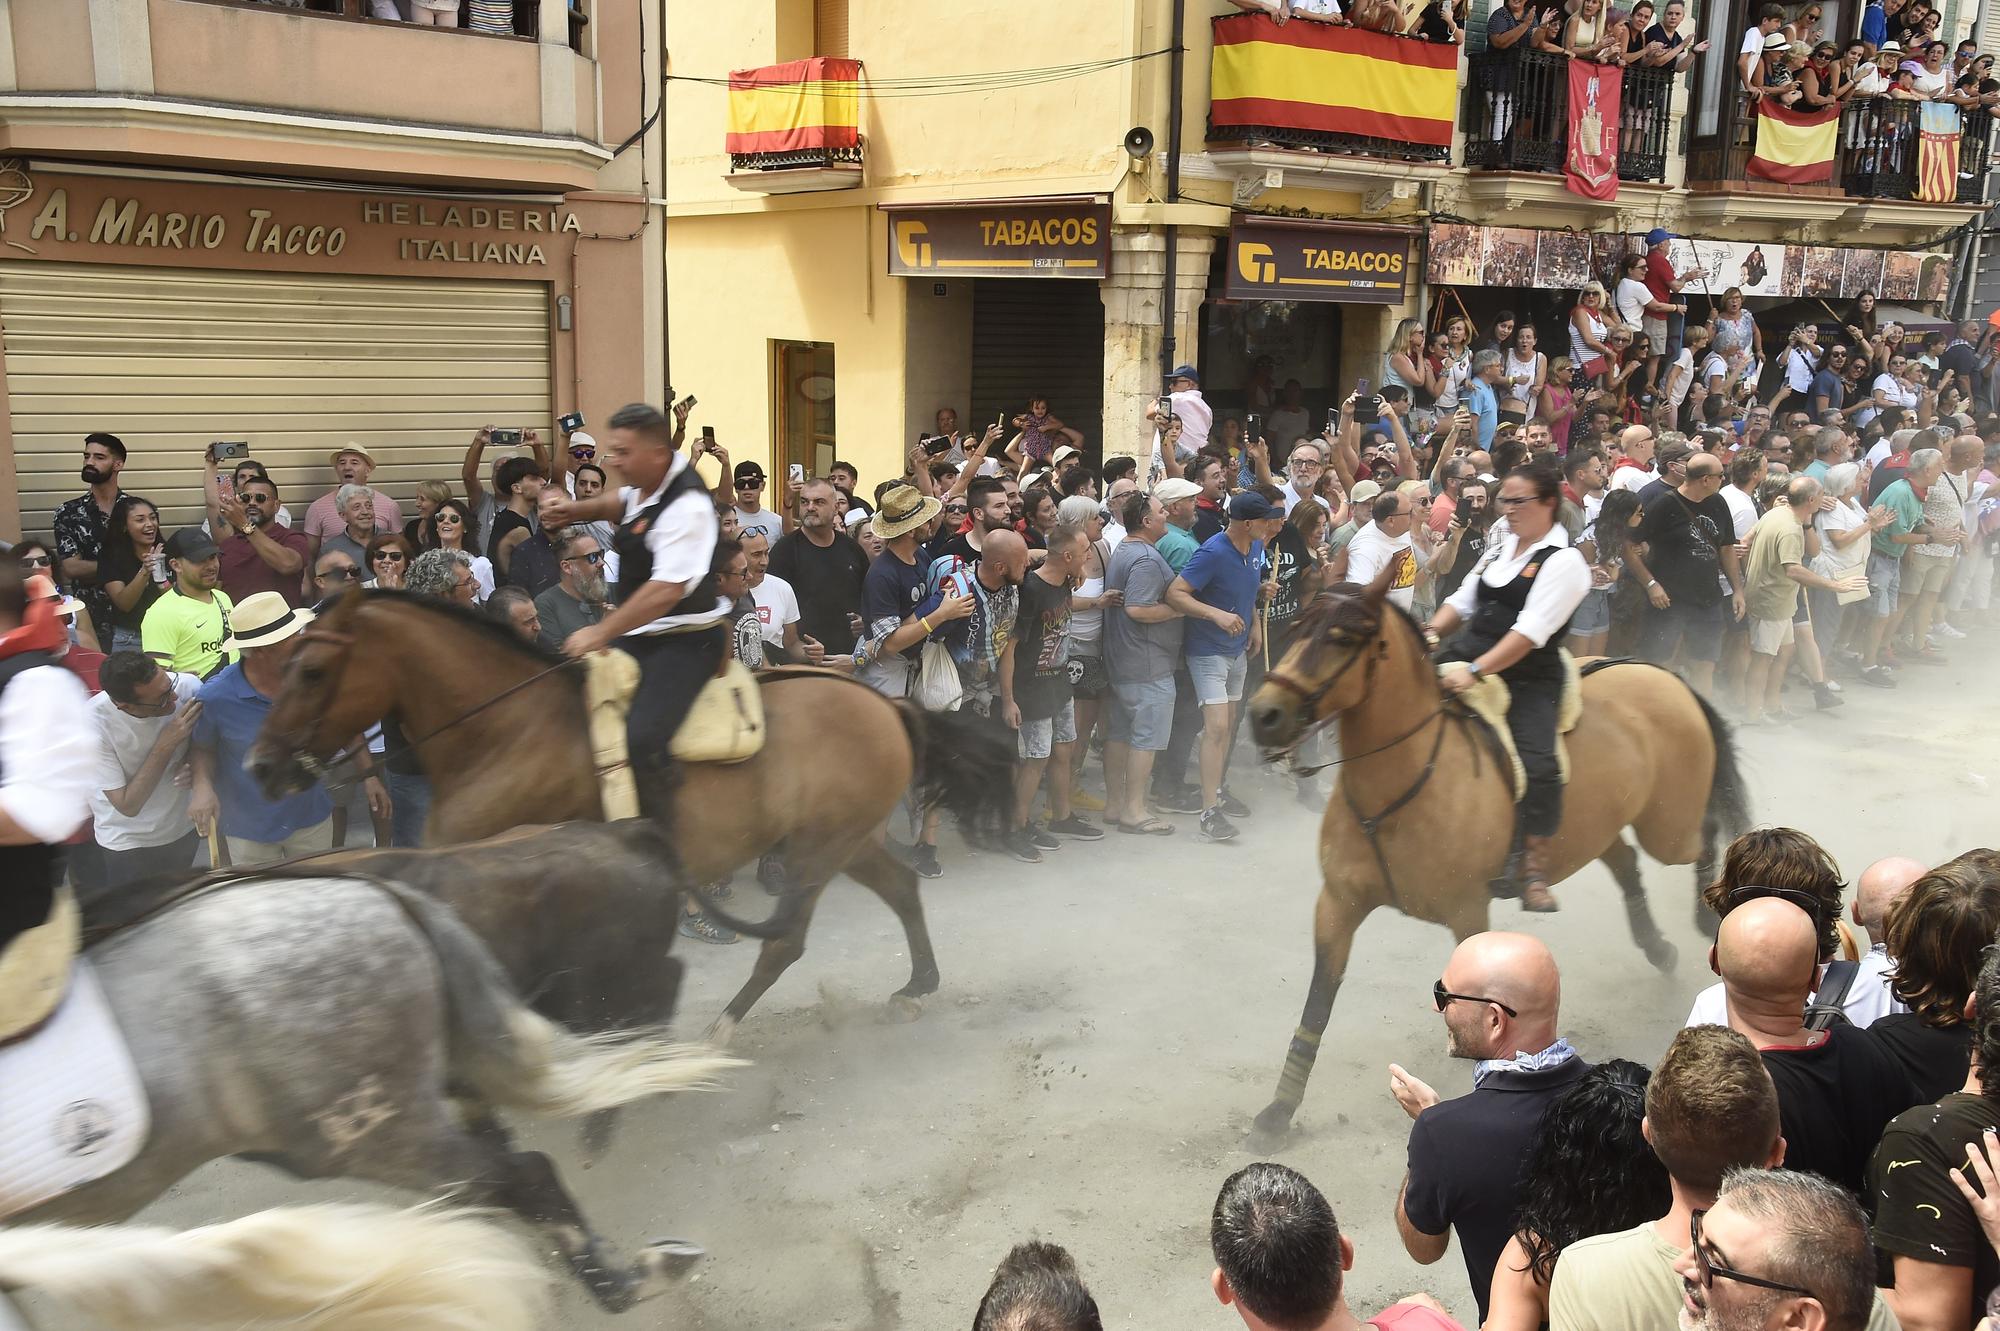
point(1270, 261)
point(1057, 239)
point(110, 219)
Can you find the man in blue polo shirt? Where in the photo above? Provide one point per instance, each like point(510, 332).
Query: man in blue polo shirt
point(1217, 591)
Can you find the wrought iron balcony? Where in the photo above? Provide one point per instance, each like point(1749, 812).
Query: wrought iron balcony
point(1516, 115)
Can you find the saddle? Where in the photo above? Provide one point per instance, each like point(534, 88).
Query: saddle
point(726, 724)
point(1490, 698)
point(35, 969)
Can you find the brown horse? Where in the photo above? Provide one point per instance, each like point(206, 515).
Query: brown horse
point(1423, 811)
point(498, 726)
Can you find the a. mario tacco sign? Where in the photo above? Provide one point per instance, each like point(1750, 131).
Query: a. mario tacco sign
point(1055, 239)
point(1281, 261)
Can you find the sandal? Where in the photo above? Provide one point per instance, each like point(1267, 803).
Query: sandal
point(1146, 827)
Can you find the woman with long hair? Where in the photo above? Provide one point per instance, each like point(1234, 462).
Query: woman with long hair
point(429, 495)
point(1527, 374)
point(1558, 401)
point(1591, 1171)
point(1860, 321)
point(1589, 352)
point(33, 555)
point(1406, 365)
point(133, 567)
point(454, 526)
point(389, 558)
point(1603, 543)
point(1455, 367)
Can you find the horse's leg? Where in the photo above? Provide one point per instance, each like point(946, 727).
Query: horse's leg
point(899, 887)
point(1623, 861)
point(772, 960)
point(1334, 921)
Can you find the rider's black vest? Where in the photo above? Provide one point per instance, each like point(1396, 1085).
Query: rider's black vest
point(29, 873)
point(1493, 617)
point(635, 559)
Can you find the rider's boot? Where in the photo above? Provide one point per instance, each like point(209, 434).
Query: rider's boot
point(1506, 885)
point(1535, 894)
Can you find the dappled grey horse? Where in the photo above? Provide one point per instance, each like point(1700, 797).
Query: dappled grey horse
point(327, 1026)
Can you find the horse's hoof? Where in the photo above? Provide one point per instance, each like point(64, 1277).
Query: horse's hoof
point(904, 1007)
point(1270, 1130)
point(671, 1258)
point(718, 1035)
point(1663, 955)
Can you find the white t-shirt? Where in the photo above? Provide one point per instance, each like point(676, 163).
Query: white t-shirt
point(1879, 454)
point(1800, 366)
point(1682, 377)
point(763, 520)
point(1634, 479)
point(1891, 388)
point(1632, 299)
point(1370, 549)
point(1868, 999)
point(777, 606)
point(123, 741)
point(1742, 510)
point(1283, 428)
point(1293, 498)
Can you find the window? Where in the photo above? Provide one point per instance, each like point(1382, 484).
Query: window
point(830, 27)
point(802, 406)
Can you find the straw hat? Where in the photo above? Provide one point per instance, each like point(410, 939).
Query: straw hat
point(264, 619)
point(904, 509)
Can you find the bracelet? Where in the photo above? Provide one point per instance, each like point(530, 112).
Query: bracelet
point(928, 630)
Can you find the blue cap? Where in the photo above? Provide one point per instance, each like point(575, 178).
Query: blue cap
point(1185, 372)
point(1658, 234)
point(1250, 506)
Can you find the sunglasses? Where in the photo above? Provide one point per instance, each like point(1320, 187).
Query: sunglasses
point(1442, 998)
point(342, 574)
point(959, 509)
point(37, 561)
point(594, 558)
point(390, 557)
point(451, 518)
point(1708, 1269)
point(749, 485)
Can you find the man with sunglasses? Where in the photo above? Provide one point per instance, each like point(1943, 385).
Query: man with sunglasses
point(139, 804)
point(1499, 997)
point(751, 515)
point(1779, 1249)
point(258, 554)
point(577, 599)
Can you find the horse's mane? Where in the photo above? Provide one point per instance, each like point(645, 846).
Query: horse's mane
point(494, 631)
point(1342, 606)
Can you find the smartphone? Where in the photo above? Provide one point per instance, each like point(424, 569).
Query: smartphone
point(708, 436)
point(1333, 420)
point(1163, 409)
point(796, 473)
point(505, 438)
point(687, 403)
point(936, 445)
point(225, 449)
point(571, 422)
point(1253, 427)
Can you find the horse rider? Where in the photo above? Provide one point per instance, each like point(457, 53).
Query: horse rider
point(1508, 619)
point(666, 611)
point(47, 760)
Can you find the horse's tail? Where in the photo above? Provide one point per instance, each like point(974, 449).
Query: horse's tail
point(964, 764)
point(334, 1267)
point(1728, 811)
point(524, 1061)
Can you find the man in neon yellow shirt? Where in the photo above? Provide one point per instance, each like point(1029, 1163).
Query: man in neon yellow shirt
point(185, 629)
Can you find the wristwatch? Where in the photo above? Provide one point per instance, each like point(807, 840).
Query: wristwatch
point(1472, 668)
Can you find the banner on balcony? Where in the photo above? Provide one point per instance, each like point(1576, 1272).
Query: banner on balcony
point(1309, 76)
point(1590, 168)
point(1937, 152)
point(1794, 147)
point(795, 107)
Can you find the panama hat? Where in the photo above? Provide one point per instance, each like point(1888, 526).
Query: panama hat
point(904, 509)
point(262, 620)
point(360, 450)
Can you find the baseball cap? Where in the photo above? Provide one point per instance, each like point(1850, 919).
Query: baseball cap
point(1249, 507)
point(1187, 372)
point(1174, 489)
point(749, 471)
point(190, 543)
point(1364, 491)
point(1658, 234)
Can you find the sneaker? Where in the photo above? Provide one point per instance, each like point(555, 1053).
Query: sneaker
point(924, 860)
point(1185, 800)
point(1878, 677)
point(1022, 846)
point(1215, 825)
point(1825, 699)
point(1947, 631)
point(1230, 805)
point(703, 930)
point(1041, 838)
point(720, 890)
point(1074, 826)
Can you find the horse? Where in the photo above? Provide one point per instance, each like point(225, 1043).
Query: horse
point(511, 748)
point(1422, 815)
point(348, 1028)
point(330, 1267)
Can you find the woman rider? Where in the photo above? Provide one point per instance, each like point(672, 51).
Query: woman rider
point(1508, 619)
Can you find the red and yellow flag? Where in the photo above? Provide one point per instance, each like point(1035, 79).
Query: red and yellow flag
point(1330, 80)
point(1794, 147)
point(795, 107)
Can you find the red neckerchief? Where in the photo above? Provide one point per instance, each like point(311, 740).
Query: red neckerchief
point(41, 628)
point(1628, 462)
point(1205, 502)
point(1570, 494)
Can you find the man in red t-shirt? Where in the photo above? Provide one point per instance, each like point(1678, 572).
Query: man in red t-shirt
point(1666, 288)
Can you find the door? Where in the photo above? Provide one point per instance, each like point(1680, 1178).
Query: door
point(802, 416)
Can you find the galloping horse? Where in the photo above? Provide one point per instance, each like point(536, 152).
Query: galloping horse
point(1423, 812)
point(498, 727)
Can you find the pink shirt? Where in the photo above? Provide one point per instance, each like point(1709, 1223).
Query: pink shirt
point(1411, 1317)
point(323, 518)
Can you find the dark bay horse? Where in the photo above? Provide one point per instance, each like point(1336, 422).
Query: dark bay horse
point(1422, 814)
point(498, 726)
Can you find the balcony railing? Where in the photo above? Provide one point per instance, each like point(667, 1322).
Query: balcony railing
point(520, 18)
point(1881, 155)
point(1516, 115)
point(801, 114)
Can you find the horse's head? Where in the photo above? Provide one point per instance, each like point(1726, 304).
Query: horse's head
point(320, 707)
point(1326, 671)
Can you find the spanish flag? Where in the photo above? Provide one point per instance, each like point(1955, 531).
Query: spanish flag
point(795, 107)
point(1794, 147)
point(1330, 80)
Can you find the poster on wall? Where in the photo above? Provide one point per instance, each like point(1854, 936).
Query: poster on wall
point(1562, 259)
point(1510, 256)
point(1934, 280)
point(1824, 267)
point(1607, 254)
point(1899, 276)
point(1454, 254)
point(1862, 272)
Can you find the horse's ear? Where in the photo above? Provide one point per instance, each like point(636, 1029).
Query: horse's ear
point(1386, 579)
point(337, 616)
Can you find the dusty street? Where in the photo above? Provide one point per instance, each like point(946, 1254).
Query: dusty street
point(1108, 1024)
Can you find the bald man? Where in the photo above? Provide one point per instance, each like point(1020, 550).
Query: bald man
point(1881, 885)
point(1500, 998)
point(1837, 1088)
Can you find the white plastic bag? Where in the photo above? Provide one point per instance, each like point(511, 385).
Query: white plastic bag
point(938, 687)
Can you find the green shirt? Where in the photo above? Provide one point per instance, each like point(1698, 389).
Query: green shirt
point(1908, 511)
point(1177, 547)
point(1777, 541)
point(184, 634)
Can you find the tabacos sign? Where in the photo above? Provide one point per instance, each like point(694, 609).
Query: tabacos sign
point(1061, 238)
point(1274, 261)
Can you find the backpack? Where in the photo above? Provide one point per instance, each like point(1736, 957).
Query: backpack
point(1828, 1007)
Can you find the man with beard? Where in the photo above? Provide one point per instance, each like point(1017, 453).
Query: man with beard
point(824, 568)
point(1466, 539)
point(258, 555)
point(80, 525)
point(577, 600)
point(186, 630)
point(1499, 997)
point(1778, 1249)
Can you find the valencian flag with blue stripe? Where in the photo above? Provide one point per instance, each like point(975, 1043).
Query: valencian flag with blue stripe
point(1794, 147)
point(1937, 152)
point(795, 107)
point(1328, 80)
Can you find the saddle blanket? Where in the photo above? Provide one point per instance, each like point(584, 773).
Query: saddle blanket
point(72, 1106)
point(1489, 698)
point(725, 725)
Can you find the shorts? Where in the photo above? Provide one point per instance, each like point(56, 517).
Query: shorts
point(1217, 679)
point(1593, 616)
point(1770, 636)
point(1697, 628)
point(1088, 678)
point(1038, 738)
point(1926, 573)
point(1885, 581)
point(1656, 334)
point(1141, 713)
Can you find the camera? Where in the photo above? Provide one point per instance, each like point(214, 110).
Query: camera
point(505, 438)
point(1367, 405)
point(224, 449)
point(571, 422)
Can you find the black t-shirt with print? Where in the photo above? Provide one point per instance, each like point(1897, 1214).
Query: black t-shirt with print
point(1683, 544)
point(1918, 1210)
point(1041, 648)
point(1292, 563)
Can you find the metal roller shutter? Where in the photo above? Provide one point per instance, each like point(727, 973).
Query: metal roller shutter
point(1038, 338)
point(297, 364)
